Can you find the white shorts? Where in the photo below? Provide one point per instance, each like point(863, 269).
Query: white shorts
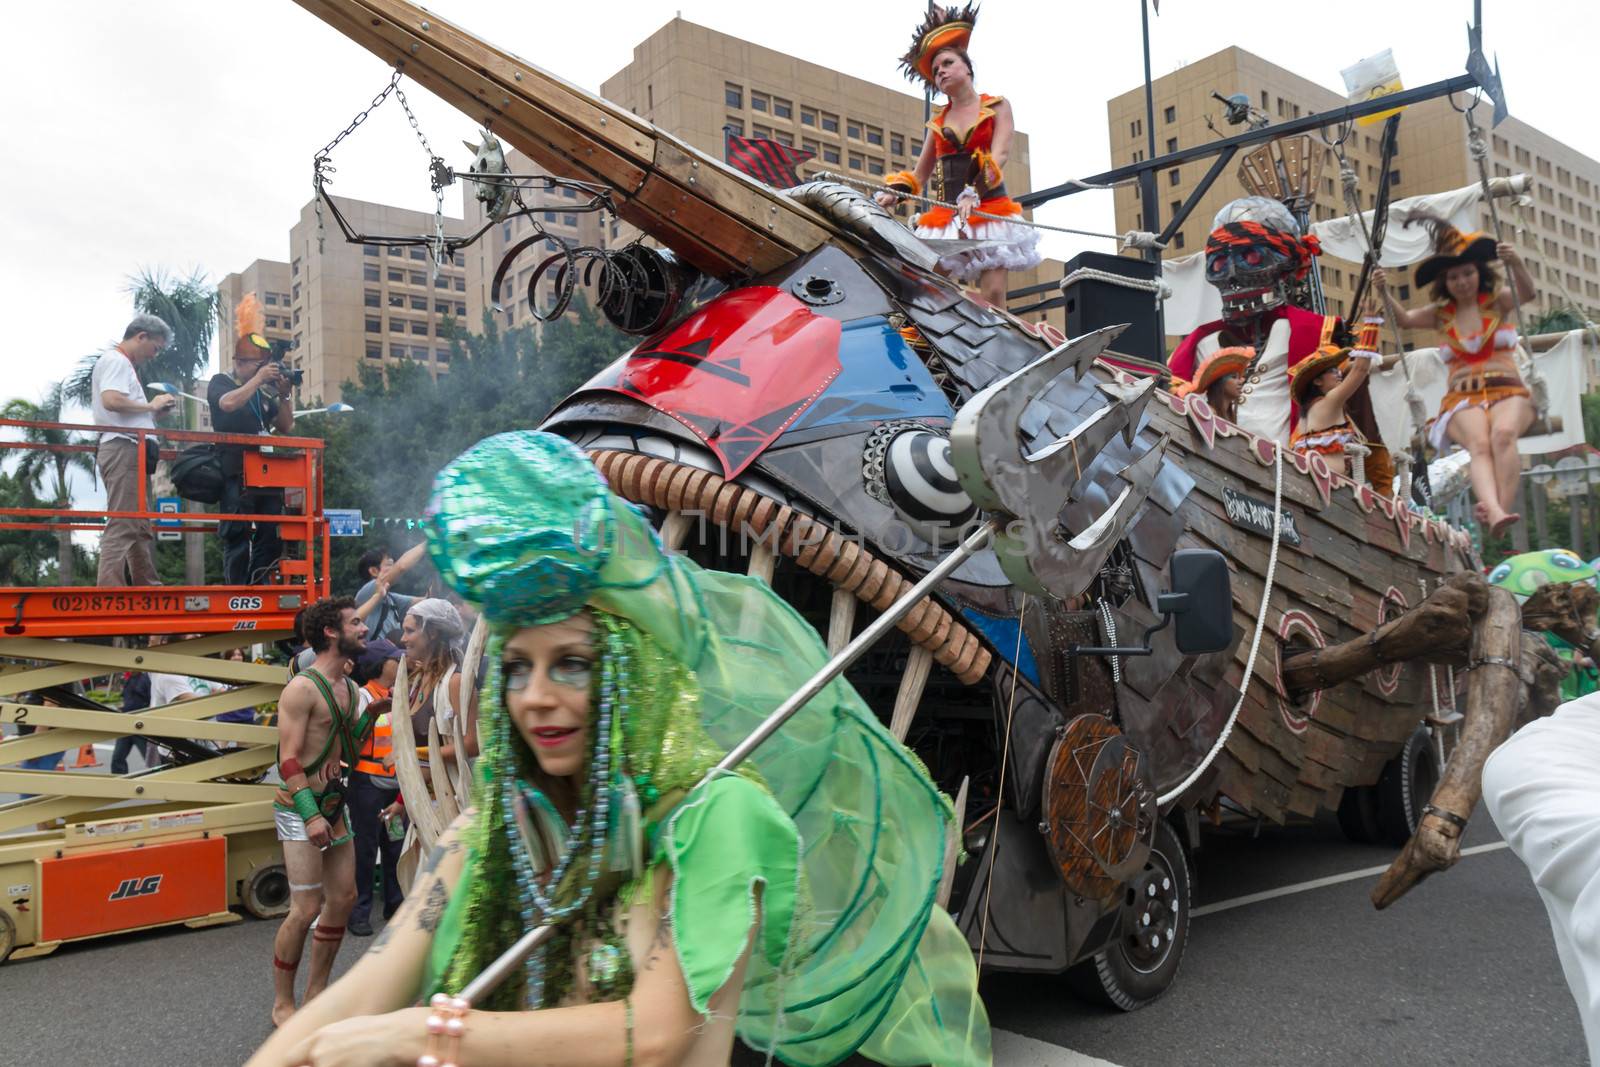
point(289, 824)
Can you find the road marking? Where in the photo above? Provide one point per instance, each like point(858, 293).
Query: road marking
point(1318, 883)
point(1014, 1050)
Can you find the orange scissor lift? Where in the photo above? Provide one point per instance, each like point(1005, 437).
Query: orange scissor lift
point(96, 853)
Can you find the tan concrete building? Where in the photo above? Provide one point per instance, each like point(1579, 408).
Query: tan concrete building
point(695, 82)
point(1559, 245)
point(354, 305)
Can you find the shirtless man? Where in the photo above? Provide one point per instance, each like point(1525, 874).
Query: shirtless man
point(317, 728)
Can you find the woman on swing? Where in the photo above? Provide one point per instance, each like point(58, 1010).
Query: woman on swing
point(1486, 407)
point(963, 161)
point(789, 901)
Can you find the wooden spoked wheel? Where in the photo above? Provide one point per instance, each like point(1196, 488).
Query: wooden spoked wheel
point(1099, 809)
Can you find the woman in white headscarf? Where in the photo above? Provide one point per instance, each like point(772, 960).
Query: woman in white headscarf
point(431, 635)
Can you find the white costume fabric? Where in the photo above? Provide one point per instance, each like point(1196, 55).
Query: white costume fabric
point(1264, 395)
point(1543, 789)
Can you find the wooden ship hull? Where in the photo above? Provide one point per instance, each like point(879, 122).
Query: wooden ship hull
point(776, 458)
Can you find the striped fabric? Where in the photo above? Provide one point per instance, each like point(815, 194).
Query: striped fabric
point(764, 160)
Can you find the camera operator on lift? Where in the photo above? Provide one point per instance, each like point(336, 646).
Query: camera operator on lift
point(254, 399)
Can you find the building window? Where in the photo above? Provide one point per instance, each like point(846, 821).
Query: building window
point(1263, 100)
point(461, 309)
point(808, 116)
point(763, 132)
point(830, 154)
point(272, 299)
point(1138, 155)
point(830, 123)
point(1523, 156)
point(1405, 292)
point(874, 166)
point(811, 146)
point(1175, 207)
point(294, 268)
point(371, 272)
point(734, 126)
point(461, 285)
point(783, 138)
point(419, 303)
point(397, 351)
point(417, 253)
point(916, 148)
point(441, 355)
point(297, 290)
point(374, 350)
point(418, 278)
point(1172, 144)
point(782, 109)
point(420, 329)
point(297, 316)
point(733, 95)
point(1170, 114)
point(1134, 128)
point(374, 325)
point(1173, 177)
point(874, 135)
point(897, 144)
point(441, 307)
point(1177, 239)
point(397, 250)
point(396, 274)
point(441, 281)
point(460, 258)
point(569, 220)
point(1544, 167)
point(1500, 145)
point(397, 300)
point(569, 192)
point(370, 250)
point(856, 161)
point(758, 101)
point(852, 129)
point(397, 325)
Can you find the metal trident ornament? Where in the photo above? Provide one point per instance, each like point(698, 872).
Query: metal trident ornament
point(1030, 489)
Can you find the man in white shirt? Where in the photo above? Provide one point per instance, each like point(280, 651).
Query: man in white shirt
point(118, 400)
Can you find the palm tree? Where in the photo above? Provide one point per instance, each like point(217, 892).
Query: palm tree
point(189, 305)
point(47, 469)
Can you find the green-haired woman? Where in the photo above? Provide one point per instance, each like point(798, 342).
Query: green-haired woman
point(791, 903)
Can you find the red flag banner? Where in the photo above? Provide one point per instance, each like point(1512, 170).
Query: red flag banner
point(765, 160)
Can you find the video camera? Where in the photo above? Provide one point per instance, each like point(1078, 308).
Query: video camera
point(293, 375)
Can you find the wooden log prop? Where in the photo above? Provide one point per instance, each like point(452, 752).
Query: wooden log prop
point(408, 770)
point(1566, 609)
point(1494, 693)
point(1436, 631)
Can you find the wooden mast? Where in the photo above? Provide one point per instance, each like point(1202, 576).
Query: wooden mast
point(714, 217)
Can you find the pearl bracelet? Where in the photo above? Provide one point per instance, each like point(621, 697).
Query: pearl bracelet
point(446, 1024)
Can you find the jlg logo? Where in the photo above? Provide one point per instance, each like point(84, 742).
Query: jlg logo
point(137, 887)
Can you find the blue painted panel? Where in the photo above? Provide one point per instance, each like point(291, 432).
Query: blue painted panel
point(880, 379)
point(1002, 635)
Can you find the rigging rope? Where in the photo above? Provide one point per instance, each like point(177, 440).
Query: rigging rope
point(1000, 790)
point(1131, 239)
point(1255, 642)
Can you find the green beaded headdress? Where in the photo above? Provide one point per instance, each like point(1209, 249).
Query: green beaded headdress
point(854, 953)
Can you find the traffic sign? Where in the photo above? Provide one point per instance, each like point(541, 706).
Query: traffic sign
point(343, 522)
point(169, 505)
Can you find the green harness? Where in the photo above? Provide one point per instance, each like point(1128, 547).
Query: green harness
point(329, 803)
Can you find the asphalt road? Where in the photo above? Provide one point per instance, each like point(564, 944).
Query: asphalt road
point(1461, 972)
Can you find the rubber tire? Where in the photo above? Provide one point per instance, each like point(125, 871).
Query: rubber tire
point(265, 892)
point(1358, 815)
point(1109, 977)
point(8, 935)
point(1406, 785)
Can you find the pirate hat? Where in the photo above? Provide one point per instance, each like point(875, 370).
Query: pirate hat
point(1451, 248)
point(1216, 366)
point(941, 28)
point(1314, 366)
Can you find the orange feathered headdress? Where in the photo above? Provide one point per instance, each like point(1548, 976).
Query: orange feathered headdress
point(942, 27)
point(249, 320)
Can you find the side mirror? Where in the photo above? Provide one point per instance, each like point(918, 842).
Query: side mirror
point(1200, 603)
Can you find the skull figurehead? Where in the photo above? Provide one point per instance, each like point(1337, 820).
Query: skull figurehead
point(1255, 250)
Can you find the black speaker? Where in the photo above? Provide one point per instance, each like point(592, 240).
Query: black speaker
point(1093, 302)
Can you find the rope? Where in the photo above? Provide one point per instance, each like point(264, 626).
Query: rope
point(1154, 285)
point(1255, 642)
point(930, 202)
point(1000, 792)
point(1589, 326)
point(1478, 148)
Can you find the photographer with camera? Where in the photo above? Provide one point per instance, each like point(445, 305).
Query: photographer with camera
point(254, 399)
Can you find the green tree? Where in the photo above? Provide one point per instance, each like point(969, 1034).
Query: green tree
point(189, 305)
point(25, 555)
point(1556, 320)
point(47, 469)
point(406, 426)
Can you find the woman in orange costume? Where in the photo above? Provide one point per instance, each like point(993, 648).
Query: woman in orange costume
point(963, 161)
point(1487, 407)
point(1219, 378)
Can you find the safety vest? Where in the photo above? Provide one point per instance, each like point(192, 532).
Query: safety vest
point(380, 742)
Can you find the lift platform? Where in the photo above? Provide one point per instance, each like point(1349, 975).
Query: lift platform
point(85, 853)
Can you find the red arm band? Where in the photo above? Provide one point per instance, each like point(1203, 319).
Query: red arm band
point(289, 768)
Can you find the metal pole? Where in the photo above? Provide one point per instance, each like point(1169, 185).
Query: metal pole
point(495, 973)
point(1147, 188)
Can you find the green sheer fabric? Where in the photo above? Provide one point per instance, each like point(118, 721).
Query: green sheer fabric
point(523, 525)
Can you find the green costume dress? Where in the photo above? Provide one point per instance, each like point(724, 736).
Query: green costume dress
point(838, 824)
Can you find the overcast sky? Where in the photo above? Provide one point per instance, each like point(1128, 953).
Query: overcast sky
point(179, 133)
